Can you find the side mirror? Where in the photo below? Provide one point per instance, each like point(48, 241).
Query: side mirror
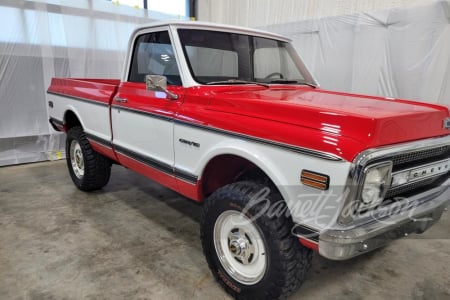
point(158, 83)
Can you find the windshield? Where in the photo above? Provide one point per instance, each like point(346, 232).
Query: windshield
point(216, 57)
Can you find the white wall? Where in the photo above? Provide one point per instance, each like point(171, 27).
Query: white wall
point(258, 13)
point(42, 39)
point(388, 48)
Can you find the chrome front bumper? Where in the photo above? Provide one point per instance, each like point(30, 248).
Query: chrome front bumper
point(427, 209)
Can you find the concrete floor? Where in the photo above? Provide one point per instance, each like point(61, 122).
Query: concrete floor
point(138, 240)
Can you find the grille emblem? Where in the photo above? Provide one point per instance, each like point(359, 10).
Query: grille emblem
point(447, 123)
point(420, 173)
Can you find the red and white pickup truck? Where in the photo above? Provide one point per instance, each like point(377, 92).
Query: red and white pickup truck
point(232, 118)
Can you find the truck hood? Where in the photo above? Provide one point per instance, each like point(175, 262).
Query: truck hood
point(351, 122)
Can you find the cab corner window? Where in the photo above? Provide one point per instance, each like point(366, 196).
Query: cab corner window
point(153, 55)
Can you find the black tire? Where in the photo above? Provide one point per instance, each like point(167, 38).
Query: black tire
point(96, 167)
point(287, 261)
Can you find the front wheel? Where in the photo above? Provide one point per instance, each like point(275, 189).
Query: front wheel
point(251, 253)
point(88, 169)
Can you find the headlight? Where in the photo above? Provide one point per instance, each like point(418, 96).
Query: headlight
point(376, 182)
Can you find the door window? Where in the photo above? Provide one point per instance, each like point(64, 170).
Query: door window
point(153, 55)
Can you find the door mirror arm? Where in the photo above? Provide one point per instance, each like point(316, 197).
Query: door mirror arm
point(158, 83)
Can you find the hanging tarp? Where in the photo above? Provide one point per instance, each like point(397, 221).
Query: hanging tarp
point(40, 40)
point(401, 52)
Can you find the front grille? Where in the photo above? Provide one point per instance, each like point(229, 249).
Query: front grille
point(399, 161)
point(416, 159)
point(406, 189)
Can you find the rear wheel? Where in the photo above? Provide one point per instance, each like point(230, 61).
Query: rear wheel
point(88, 169)
point(251, 254)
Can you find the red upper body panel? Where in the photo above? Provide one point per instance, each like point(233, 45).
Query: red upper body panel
point(337, 123)
point(98, 90)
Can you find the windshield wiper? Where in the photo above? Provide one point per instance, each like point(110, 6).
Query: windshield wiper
point(237, 81)
point(291, 81)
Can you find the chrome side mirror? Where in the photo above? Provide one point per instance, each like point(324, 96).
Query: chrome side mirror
point(158, 83)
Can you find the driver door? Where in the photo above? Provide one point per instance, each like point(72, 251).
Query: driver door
point(142, 120)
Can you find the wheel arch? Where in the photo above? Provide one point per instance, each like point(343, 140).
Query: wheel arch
point(71, 119)
point(233, 164)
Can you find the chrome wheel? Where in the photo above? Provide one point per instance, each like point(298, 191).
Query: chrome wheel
point(76, 159)
point(240, 247)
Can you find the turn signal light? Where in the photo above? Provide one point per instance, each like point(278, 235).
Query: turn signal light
point(315, 180)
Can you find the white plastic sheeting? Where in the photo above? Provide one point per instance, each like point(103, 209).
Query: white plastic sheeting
point(43, 39)
point(257, 13)
point(402, 53)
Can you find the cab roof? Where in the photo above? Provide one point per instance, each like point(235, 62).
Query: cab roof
point(214, 27)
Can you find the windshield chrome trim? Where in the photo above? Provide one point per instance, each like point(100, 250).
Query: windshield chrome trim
point(190, 80)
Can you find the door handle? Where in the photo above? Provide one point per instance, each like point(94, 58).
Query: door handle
point(120, 100)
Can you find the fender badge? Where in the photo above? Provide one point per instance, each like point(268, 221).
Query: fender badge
point(447, 123)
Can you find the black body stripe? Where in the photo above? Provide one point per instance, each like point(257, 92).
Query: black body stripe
point(79, 99)
point(99, 140)
point(306, 232)
point(305, 151)
point(56, 124)
point(163, 167)
point(158, 165)
point(56, 121)
point(185, 176)
point(141, 112)
point(296, 149)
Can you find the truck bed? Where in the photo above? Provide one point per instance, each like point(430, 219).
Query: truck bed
point(98, 90)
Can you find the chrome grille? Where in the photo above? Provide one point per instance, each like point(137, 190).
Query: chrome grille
point(410, 157)
point(417, 159)
point(404, 189)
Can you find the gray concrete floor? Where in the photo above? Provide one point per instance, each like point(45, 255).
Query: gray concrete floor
point(138, 240)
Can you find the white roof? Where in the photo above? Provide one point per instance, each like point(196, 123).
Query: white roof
point(215, 27)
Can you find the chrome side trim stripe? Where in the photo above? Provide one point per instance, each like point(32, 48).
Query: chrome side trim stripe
point(99, 140)
point(56, 121)
point(305, 232)
point(305, 151)
point(161, 166)
point(57, 125)
point(85, 100)
point(142, 112)
point(297, 149)
point(158, 165)
point(188, 177)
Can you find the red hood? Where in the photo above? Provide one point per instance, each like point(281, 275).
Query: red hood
point(342, 124)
